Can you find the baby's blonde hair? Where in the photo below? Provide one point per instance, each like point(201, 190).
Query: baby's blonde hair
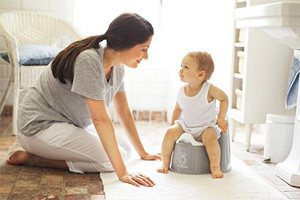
point(204, 61)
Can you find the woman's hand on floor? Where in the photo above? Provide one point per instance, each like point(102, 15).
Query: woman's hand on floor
point(136, 179)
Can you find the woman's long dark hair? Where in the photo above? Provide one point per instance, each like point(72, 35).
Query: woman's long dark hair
point(124, 32)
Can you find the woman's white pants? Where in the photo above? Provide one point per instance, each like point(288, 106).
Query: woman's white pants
point(80, 148)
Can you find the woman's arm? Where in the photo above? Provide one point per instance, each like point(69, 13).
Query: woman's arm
point(106, 132)
point(127, 121)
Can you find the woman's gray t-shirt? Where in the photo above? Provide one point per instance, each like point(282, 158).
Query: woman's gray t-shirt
point(50, 101)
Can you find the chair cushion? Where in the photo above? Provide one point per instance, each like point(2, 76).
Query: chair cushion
point(37, 54)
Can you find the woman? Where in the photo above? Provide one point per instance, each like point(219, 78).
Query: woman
point(55, 116)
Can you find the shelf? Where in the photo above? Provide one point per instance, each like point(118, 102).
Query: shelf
point(241, 3)
point(240, 54)
point(247, 108)
point(239, 44)
point(238, 92)
point(238, 75)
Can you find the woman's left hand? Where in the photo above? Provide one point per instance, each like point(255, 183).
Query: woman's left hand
point(146, 156)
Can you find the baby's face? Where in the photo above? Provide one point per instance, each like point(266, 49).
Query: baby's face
point(189, 69)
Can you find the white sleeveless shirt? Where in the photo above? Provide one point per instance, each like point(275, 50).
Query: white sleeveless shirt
point(197, 113)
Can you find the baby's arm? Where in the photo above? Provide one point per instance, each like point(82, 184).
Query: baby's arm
point(216, 93)
point(176, 113)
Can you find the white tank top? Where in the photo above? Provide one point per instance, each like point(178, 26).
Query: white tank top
point(196, 110)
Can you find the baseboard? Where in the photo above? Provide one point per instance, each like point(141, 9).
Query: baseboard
point(150, 115)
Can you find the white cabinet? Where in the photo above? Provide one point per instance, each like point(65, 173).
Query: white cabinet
point(259, 77)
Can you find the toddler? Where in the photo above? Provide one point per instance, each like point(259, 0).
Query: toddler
point(195, 111)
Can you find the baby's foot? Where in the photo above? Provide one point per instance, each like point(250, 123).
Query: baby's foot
point(163, 169)
point(216, 172)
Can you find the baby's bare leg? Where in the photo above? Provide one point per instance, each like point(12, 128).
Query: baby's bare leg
point(210, 140)
point(172, 134)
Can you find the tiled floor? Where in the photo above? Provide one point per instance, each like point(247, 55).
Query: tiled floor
point(21, 182)
point(41, 183)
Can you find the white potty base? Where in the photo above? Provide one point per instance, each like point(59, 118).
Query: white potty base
point(193, 159)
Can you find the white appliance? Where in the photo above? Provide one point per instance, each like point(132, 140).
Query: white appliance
point(282, 21)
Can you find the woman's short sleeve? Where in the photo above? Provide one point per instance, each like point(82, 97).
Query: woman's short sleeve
point(88, 80)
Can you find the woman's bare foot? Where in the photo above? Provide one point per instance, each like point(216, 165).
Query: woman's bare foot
point(216, 172)
point(18, 158)
point(25, 158)
point(163, 170)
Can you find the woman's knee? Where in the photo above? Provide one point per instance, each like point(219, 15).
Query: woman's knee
point(125, 153)
point(106, 166)
point(99, 164)
point(89, 166)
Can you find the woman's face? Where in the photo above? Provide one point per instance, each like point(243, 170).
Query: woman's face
point(132, 57)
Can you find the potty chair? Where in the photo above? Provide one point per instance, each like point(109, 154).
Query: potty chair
point(190, 156)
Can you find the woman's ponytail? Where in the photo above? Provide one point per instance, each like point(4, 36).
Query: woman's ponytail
point(63, 64)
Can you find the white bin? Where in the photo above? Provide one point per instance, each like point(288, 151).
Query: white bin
point(279, 137)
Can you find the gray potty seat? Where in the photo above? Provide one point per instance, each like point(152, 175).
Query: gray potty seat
point(190, 156)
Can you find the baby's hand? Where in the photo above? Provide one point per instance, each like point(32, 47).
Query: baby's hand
point(222, 124)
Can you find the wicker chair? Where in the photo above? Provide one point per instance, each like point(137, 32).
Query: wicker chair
point(6, 76)
point(31, 28)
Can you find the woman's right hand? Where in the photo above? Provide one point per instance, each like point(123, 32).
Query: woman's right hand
point(136, 179)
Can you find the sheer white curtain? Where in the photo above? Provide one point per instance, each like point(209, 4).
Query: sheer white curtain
point(197, 25)
point(93, 16)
